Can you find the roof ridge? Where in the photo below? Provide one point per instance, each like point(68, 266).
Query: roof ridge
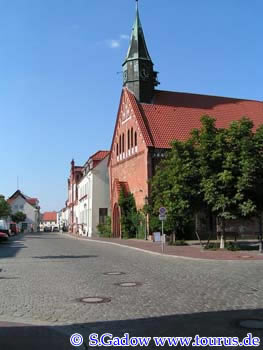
point(206, 95)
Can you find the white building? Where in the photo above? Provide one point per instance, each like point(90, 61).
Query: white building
point(92, 205)
point(48, 219)
point(19, 202)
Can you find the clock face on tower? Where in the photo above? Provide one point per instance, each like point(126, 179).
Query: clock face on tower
point(125, 76)
point(145, 72)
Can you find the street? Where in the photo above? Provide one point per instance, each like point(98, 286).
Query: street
point(44, 276)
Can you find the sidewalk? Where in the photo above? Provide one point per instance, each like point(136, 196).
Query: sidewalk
point(191, 251)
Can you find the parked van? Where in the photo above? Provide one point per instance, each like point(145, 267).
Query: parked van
point(4, 227)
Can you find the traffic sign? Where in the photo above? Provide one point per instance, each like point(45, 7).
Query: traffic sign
point(162, 217)
point(162, 211)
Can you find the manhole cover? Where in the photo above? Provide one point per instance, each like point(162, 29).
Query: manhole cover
point(252, 324)
point(116, 273)
point(129, 284)
point(94, 300)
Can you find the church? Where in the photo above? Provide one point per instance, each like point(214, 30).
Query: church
point(148, 119)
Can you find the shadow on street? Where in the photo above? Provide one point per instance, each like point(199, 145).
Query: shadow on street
point(216, 324)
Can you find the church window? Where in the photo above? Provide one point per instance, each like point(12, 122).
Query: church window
point(135, 139)
point(131, 137)
point(117, 149)
point(128, 139)
point(120, 144)
point(123, 143)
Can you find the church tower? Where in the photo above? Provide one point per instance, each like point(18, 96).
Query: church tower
point(138, 74)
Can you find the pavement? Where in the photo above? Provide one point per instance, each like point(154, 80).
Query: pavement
point(191, 251)
point(44, 276)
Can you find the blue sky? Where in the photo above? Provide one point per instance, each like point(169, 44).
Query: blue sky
point(59, 81)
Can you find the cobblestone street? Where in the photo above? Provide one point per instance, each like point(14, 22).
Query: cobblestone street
point(43, 277)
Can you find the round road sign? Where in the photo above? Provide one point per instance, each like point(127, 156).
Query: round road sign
point(162, 211)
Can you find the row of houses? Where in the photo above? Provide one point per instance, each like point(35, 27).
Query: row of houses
point(147, 121)
point(35, 220)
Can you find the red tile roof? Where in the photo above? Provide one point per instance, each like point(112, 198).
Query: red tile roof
point(49, 216)
point(100, 155)
point(31, 201)
point(173, 114)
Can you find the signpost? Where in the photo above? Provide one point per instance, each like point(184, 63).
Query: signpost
point(162, 217)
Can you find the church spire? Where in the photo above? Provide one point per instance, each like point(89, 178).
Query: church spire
point(138, 74)
point(138, 48)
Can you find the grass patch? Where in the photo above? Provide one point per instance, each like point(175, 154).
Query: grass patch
point(212, 246)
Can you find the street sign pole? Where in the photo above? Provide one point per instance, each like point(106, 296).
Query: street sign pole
point(162, 217)
point(162, 238)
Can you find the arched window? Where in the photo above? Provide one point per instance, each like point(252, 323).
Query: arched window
point(123, 143)
point(131, 137)
point(128, 139)
point(120, 144)
point(135, 139)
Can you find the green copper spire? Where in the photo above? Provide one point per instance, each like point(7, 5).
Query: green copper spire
point(138, 74)
point(137, 48)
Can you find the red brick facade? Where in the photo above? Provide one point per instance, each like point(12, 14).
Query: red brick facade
point(129, 158)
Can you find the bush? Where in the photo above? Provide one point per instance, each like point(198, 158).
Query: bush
point(232, 246)
point(129, 217)
point(105, 229)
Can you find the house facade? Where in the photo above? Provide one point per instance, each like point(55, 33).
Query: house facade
point(72, 201)
point(19, 202)
point(88, 201)
point(149, 119)
point(48, 219)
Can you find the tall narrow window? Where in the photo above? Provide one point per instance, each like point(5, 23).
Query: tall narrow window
point(129, 139)
point(117, 149)
point(123, 143)
point(120, 144)
point(135, 139)
point(103, 212)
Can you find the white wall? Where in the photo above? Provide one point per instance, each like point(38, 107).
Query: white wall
point(95, 186)
point(20, 204)
point(101, 195)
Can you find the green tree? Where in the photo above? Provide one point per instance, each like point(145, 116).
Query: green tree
point(257, 193)
point(19, 216)
point(5, 209)
point(227, 168)
point(128, 212)
point(219, 171)
point(175, 187)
